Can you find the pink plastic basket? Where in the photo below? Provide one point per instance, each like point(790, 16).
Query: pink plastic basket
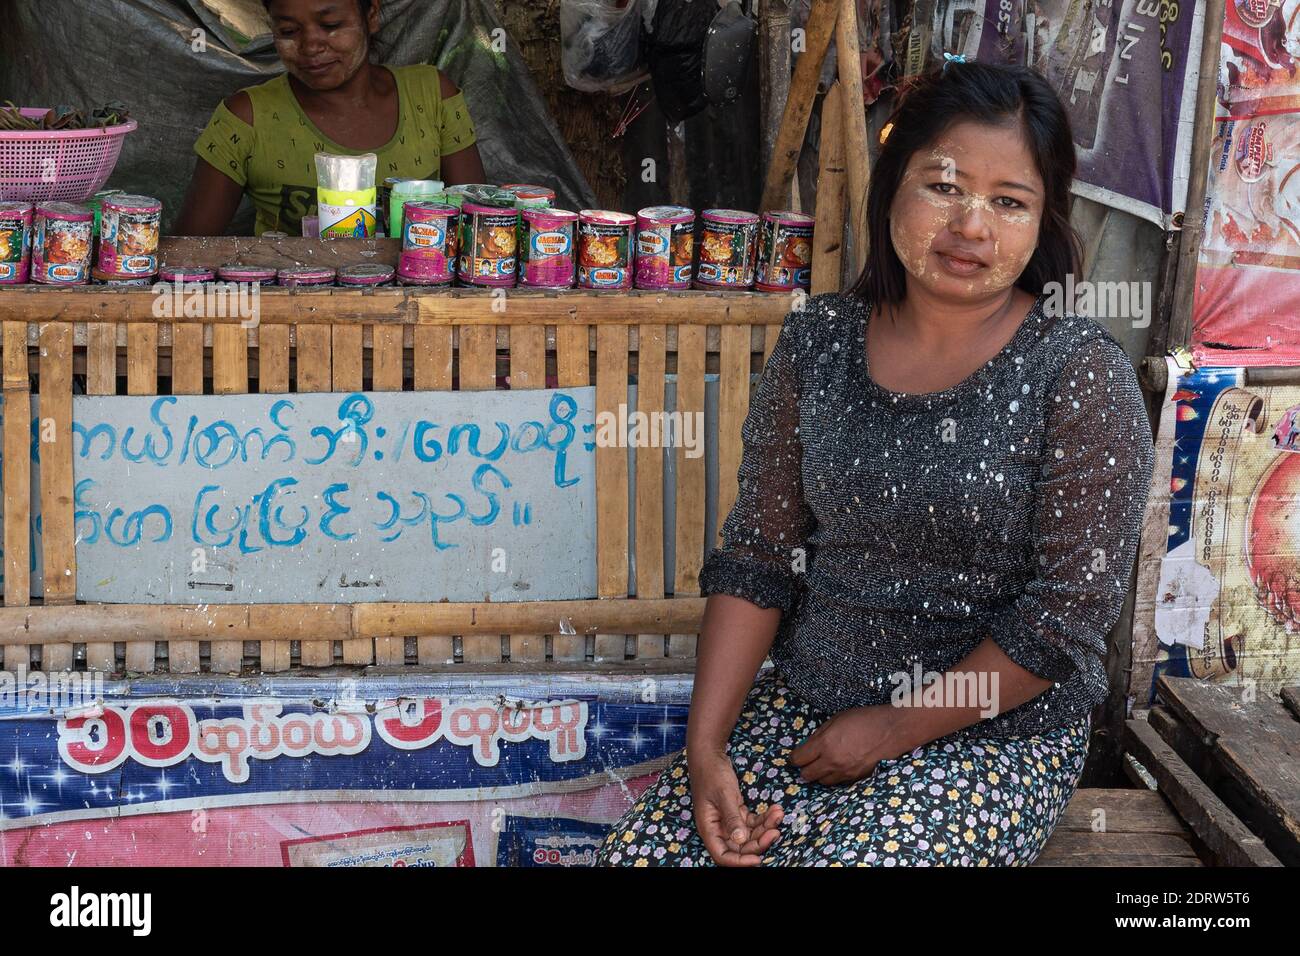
point(70, 165)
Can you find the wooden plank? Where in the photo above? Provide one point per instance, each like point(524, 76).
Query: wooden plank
point(312, 362)
point(348, 376)
point(478, 371)
point(733, 405)
point(1291, 700)
point(1075, 849)
point(229, 377)
point(273, 379)
point(459, 307)
point(17, 479)
point(1218, 828)
point(828, 236)
point(822, 19)
point(126, 622)
point(650, 367)
point(141, 379)
point(216, 251)
point(183, 657)
point(611, 480)
point(386, 376)
point(101, 379)
point(1256, 743)
point(691, 482)
point(527, 370)
point(854, 117)
point(572, 370)
point(55, 443)
point(187, 358)
point(432, 364)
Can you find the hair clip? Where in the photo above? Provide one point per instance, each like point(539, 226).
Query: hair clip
point(885, 131)
point(952, 58)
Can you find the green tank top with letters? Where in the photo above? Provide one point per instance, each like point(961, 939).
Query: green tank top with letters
point(274, 159)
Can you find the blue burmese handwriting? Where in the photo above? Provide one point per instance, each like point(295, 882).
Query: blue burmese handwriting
point(274, 518)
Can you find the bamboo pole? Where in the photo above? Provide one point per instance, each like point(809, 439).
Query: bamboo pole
point(1180, 322)
point(798, 105)
point(828, 238)
point(854, 118)
point(341, 622)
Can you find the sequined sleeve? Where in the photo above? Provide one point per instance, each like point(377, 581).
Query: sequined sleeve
point(1088, 509)
point(770, 520)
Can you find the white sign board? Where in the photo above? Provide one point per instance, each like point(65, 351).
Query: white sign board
point(336, 498)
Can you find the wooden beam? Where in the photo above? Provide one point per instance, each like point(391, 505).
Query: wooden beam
point(1180, 322)
point(828, 235)
point(262, 622)
point(1223, 834)
point(854, 118)
point(822, 19)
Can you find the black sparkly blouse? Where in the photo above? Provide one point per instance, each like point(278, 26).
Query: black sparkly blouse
point(897, 529)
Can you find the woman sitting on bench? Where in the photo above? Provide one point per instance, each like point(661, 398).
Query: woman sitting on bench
point(943, 478)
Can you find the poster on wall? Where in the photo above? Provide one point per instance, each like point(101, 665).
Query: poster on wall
point(1219, 571)
point(383, 771)
point(1247, 291)
point(1126, 72)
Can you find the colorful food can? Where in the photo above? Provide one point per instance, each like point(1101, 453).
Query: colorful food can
point(785, 252)
point(128, 235)
point(428, 242)
point(488, 248)
point(306, 277)
point(665, 247)
point(61, 243)
point(15, 242)
point(728, 249)
point(546, 248)
point(366, 275)
point(100, 277)
point(183, 273)
point(605, 249)
point(234, 272)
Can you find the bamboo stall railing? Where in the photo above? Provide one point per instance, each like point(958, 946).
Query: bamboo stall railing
point(381, 339)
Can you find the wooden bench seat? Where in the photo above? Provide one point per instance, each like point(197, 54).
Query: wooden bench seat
point(1112, 827)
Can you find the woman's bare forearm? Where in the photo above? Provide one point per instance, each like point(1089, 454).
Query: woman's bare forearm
point(735, 637)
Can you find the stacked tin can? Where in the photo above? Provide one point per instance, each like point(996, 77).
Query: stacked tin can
point(128, 237)
point(728, 249)
point(15, 242)
point(428, 254)
point(488, 253)
point(605, 249)
point(61, 243)
point(784, 252)
point(665, 247)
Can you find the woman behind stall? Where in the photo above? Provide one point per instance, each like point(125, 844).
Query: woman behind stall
point(943, 476)
point(262, 140)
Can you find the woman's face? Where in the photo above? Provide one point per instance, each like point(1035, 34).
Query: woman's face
point(965, 218)
point(323, 43)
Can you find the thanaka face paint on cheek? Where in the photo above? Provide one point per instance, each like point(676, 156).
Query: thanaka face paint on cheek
point(922, 214)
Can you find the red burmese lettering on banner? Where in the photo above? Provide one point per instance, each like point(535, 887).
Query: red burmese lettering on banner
point(177, 724)
point(93, 744)
point(413, 724)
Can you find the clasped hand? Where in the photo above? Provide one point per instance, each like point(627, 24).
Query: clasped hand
point(845, 748)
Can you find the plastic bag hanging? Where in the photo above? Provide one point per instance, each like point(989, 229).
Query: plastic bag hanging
point(601, 44)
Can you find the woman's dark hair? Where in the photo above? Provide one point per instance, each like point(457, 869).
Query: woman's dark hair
point(988, 94)
point(365, 6)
